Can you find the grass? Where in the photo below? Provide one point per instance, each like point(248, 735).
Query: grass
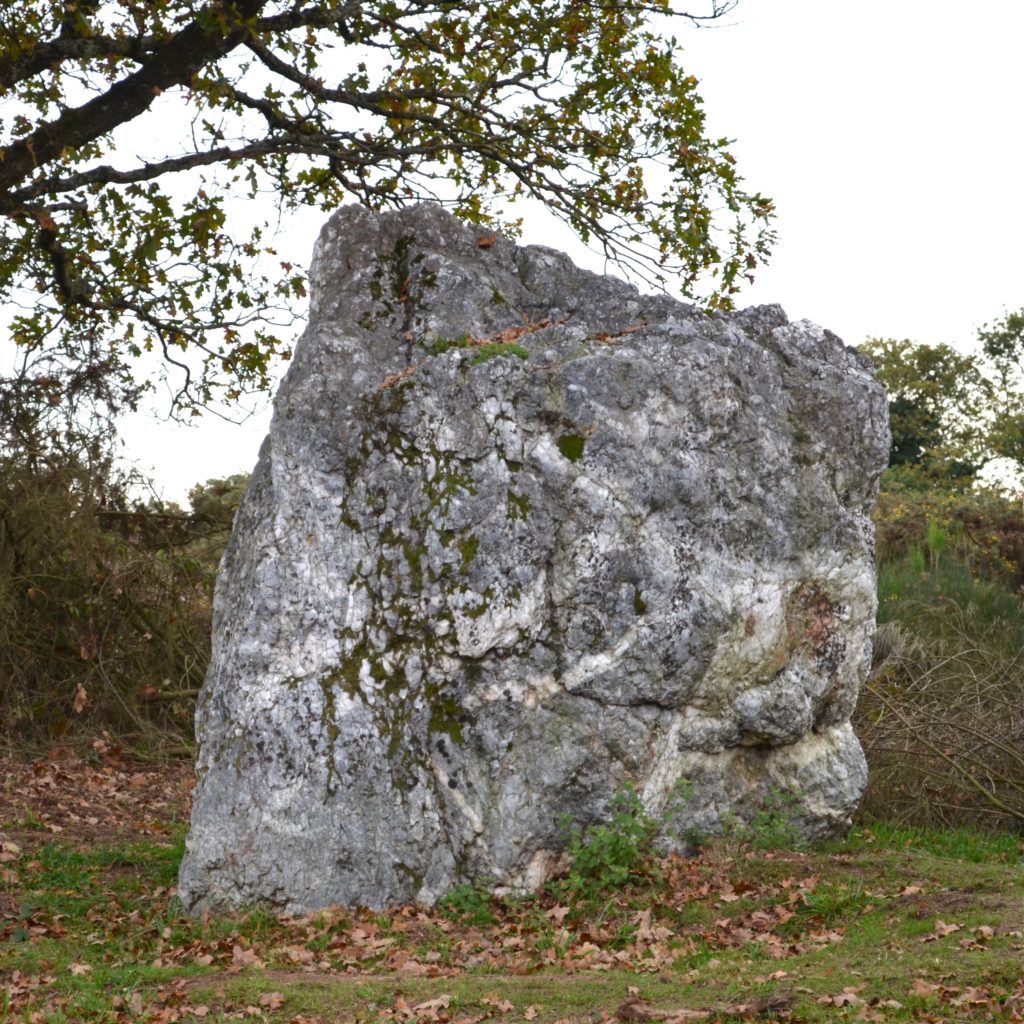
point(894, 925)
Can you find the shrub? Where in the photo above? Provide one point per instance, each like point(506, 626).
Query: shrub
point(104, 608)
point(942, 716)
point(982, 530)
point(609, 856)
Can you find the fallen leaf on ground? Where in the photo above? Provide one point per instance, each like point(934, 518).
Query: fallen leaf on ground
point(245, 957)
point(433, 1005)
point(639, 1009)
point(848, 997)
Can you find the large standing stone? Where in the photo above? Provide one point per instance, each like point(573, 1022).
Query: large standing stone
point(466, 597)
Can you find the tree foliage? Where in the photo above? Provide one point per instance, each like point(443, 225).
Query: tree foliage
point(1003, 348)
point(129, 127)
point(941, 404)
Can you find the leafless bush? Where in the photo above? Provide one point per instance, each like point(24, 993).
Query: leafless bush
point(104, 610)
point(942, 722)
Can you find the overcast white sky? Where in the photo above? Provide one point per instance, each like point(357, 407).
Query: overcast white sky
point(889, 135)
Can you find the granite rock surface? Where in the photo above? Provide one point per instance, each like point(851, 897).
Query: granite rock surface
point(519, 537)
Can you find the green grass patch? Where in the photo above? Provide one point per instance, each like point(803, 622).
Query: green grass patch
point(929, 921)
point(962, 844)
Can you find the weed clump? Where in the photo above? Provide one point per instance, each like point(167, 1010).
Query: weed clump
point(607, 857)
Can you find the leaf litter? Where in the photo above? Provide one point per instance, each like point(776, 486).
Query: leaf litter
point(690, 920)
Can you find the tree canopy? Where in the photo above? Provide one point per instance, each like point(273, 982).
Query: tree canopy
point(128, 128)
point(940, 407)
point(1003, 349)
point(954, 412)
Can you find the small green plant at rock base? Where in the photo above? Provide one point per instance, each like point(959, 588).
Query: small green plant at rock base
point(608, 856)
point(774, 826)
point(678, 828)
point(469, 904)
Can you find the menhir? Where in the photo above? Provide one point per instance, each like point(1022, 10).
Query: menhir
point(521, 537)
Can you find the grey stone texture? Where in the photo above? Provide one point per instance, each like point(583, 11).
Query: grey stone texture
point(469, 598)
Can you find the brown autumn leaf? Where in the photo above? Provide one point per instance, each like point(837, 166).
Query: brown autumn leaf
point(430, 1007)
point(973, 996)
point(848, 997)
point(640, 1010)
point(394, 378)
point(495, 1001)
point(81, 699)
point(921, 987)
point(941, 931)
point(486, 241)
point(80, 969)
point(413, 967)
point(772, 1005)
point(272, 1000)
point(245, 957)
point(762, 979)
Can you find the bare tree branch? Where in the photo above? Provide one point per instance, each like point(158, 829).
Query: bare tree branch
point(173, 63)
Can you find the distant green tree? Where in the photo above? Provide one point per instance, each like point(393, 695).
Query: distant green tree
point(215, 502)
point(1003, 346)
point(941, 404)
